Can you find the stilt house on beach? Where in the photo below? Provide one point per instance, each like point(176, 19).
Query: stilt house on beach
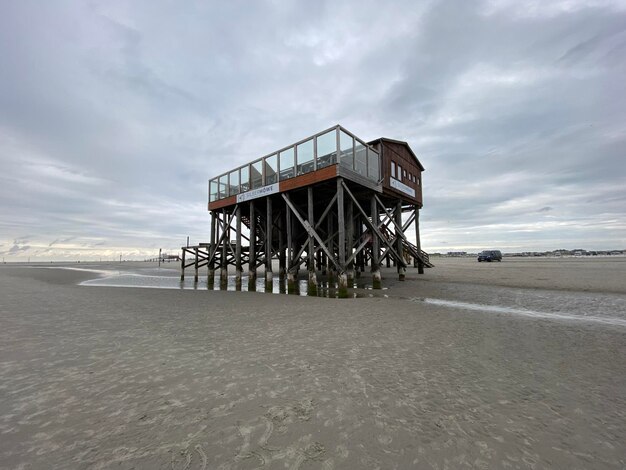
point(331, 203)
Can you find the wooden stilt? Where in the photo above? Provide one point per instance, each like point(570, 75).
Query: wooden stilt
point(269, 232)
point(182, 266)
point(376, 278)
point(342, 279)
point(418, 243)
point(238, 268)
point(224, 259)
point(252, 249)
point(211, 254)
point(399, 248)
point(291, 278)
point(312, 284)
point(350, 242)
point(282, 262)
point(195, 265)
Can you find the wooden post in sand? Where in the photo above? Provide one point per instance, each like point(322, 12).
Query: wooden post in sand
point(269, 283)
point(224, 258)
point(212, 248)
point(342, 278)
point(376, 278)
point(252, 252)
point(238, 270)
point(182, 266)
point(312, 285)
point(399, 247)
point(417, 261)
point(350, 242)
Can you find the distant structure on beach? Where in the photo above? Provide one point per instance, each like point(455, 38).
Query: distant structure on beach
point(330, 202)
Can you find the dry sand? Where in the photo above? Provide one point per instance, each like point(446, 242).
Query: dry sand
point(102, 377)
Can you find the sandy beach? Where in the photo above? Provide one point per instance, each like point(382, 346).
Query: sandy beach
point(442, 371)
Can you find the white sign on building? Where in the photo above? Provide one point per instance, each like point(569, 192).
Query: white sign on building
point(258, 192)
point(395, 184)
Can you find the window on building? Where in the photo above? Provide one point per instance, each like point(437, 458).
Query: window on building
point(399, 172)
point(393, 169)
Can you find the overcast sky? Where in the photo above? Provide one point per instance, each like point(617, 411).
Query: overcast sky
point(113, 115)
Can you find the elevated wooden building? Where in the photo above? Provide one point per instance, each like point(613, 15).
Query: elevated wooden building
point(331, 203)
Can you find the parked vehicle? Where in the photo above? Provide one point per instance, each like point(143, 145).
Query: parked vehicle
point(490, 255)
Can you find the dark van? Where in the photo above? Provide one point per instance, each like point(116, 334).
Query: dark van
point(490, 255)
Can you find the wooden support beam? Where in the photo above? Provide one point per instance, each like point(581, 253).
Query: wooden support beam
point(269, 284)
point(238, 268)
point(252, 258)
point(418, 243)
point(350, 242)
point(373, 227)
point(223, 258)
point(310, 230)
point(211, 251)
point(342, 278)
point(376, 277)
point(399, 237)
point(182, 266)
point(312, 284)
point(282, 262)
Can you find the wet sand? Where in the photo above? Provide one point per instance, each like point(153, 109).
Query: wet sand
point(103, 377)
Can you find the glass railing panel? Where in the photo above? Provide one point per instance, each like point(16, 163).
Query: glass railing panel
point(245, 178)
point(327, 149)
point(360, 158)
point(346, 150)
point(213, 190)
point(304, 156)
point(233, 182)
point(223, 187)
point(256, 174)
point(287, 164)
point(373, 165)
point(271, 169)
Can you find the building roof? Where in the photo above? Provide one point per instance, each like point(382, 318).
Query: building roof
point(400, 142)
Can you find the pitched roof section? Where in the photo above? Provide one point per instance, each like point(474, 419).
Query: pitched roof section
point(399, 142)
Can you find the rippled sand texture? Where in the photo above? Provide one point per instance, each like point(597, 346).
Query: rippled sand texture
point(100, 377)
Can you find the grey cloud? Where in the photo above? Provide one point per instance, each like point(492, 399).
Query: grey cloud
point(113, 115)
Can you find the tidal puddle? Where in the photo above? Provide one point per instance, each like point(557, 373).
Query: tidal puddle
point(569, 316)
point(152, 280)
